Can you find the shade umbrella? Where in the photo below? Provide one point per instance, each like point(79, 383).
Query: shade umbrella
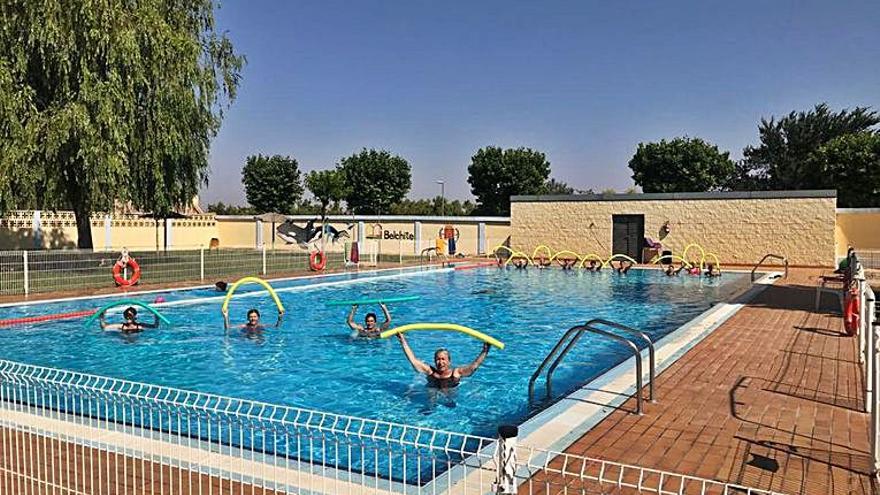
point(272, 217)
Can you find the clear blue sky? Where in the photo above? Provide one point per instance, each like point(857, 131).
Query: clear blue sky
point(583, 81)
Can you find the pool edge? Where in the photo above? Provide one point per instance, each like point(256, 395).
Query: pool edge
point(543, 430)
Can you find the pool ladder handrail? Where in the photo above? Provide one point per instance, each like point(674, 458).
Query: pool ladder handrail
point(774, 256)
point(589, 326)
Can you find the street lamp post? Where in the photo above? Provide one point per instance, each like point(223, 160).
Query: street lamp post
point(442, 197)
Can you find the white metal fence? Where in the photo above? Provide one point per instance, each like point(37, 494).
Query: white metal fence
point(26, 272)
point(869, 338)
point(72, 433)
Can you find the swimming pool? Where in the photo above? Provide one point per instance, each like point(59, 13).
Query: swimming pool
point(313, 362)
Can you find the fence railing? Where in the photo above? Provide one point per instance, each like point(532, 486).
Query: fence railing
point(26, 272)
point(868, 328)
point(74, 433)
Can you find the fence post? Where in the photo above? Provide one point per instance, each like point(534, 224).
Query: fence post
point(202, 264)
point(865, 330)
point(505, 476)
point(24, 258)
point(264, 259)
point(873, 327)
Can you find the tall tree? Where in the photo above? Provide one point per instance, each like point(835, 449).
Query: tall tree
point(375, 180)
point(327, 186)
point(680, 165)
point(554, 186)
point(782, 160)
point(850, 164)
point(272, 184)
point(496, 174)
point(106, 102)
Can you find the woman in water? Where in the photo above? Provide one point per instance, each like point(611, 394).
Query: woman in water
point(671, 271)
point(621, 268)
point(369, 328)
point(253, 321)
point(130, 325)
point(711, 271)
point(442, 375)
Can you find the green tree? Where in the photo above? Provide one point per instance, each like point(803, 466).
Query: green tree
point(221, 208)
point(375, 180)
point(680, 165)
point(272, 184)
point(327, 186)
point(433, 206)
point(109, 102)
point(782, 160)
point(850, 164)
point(495, 175)
point(554, 186)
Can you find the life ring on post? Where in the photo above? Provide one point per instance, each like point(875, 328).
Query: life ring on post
point(851, 312)
point(317, 261)
point(135, 272)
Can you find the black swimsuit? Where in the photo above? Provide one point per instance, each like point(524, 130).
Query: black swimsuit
point(131, 328)
point(435, 381)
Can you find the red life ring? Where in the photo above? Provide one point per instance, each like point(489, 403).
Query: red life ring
point(315, 263)
point(851, 313)
point(135, 272)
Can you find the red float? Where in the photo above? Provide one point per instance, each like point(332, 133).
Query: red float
point(135, 272)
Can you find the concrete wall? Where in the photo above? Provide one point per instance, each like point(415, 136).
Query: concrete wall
point(859, 228)
point(388, 235)
point(739, 227)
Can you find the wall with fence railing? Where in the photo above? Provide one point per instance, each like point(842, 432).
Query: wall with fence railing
point(858, 228)
point(74, 433)
point(29, 272)
point(37, 230)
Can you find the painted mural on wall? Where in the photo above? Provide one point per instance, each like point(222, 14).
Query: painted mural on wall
point(310, 235)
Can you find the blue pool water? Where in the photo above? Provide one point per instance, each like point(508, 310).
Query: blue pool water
point(313, 362)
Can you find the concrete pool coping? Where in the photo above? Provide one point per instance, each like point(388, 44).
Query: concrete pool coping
point(553, 429)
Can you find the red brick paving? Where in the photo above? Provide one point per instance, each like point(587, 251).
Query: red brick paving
point(771, 399)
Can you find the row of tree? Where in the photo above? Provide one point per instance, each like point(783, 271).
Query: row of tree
point(374, 182)
point(815, 149)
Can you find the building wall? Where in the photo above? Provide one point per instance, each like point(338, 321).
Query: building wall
point(859, 228)
point(738, 230)
point(387, 235)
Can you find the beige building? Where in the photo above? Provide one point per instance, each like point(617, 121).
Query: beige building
point(738, 227)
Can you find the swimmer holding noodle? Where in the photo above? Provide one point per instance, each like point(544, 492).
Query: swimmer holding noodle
point(130, 325)
point(442, 375)
point(369, 328)
point(253, 321)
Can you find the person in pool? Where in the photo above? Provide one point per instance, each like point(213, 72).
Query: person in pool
point(253, 321)
point(369, 328)
point(711, 271)
point(130, 325)
point(566, 263)
point(221, 286)
point(520, 263)
point(671, 271)
point(442, 375)
point(594, 266)
point(542, 262)
point(623, 268)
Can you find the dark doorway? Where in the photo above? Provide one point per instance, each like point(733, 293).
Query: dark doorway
point(628, 236)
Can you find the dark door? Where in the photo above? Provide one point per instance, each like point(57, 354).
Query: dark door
point(628, 235)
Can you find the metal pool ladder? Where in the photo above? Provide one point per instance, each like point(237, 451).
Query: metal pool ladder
point(574, 334)
point(779, 257)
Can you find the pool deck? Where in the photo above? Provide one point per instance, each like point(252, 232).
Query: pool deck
point(771, 399)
